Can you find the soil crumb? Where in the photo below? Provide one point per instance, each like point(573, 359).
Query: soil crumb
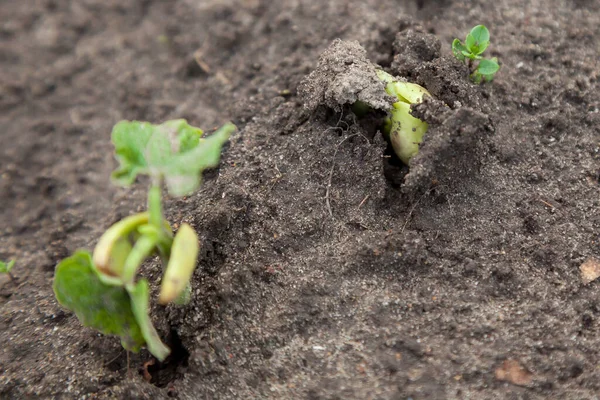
point(343, 76)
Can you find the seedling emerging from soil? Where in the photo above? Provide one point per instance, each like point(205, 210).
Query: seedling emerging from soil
point(6, 267)
point(404, 130)
point(102, 289)
point(472, 49)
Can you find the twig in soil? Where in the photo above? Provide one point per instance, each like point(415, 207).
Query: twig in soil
point(364, 200)
point(547, 204)
point(550, 207)
point(198, 54)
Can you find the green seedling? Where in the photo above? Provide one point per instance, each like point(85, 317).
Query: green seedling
point(476, 42)
point(5, 268)
point(102, 289)
point(405, 131)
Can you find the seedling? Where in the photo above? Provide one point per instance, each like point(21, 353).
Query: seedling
point(404, 130)
point(472, 49)
point(102, 289)
point(6, 267)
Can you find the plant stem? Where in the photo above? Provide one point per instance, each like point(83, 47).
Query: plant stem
point(140, 300)
point(155, 206)
point(142, 249)
point(157, 219)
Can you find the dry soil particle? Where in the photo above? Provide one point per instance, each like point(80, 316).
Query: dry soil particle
point(344, 76)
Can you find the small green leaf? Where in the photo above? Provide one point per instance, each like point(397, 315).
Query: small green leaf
point(187, 135)
point(478, 39)
point(482, 47)
point(480, 33)
point(6, 267)
point(459, 50)
point(470, 42)
point(130, 140)
point(140, 299)
point(173, 150)
point(488, 67)
point(97, 305)
point(184, 172)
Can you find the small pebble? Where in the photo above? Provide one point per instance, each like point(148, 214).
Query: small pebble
point(590, 270)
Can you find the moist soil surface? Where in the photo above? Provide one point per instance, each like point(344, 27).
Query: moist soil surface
point(326, 271)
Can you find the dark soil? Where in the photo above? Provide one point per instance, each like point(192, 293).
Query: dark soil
point(326, 272)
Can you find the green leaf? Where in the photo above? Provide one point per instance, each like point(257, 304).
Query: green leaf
point(459, 50)
point(478, 39)
point(140, 299)
point(183, 174)
point(6, 267)
point(173, 150)
point(97, 305)
point(480, 33)
point(130, 140)
point(488, 67)
point(187, 135)
point(472, 56)
point(480, 48)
